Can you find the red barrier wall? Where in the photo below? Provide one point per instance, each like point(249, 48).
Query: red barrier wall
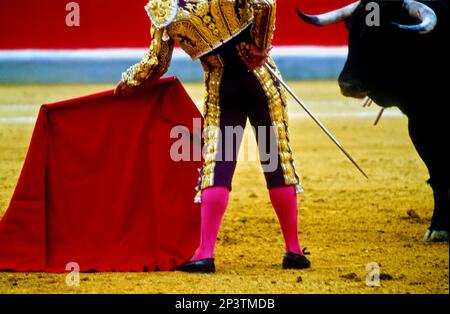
point(40, 24)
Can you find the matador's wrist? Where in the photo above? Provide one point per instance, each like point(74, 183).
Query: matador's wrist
point(253, 55)
point(128, 77)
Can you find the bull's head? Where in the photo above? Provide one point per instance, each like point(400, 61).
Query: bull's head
point(374, 52)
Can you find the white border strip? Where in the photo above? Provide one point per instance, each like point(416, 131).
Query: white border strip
point(137, 53)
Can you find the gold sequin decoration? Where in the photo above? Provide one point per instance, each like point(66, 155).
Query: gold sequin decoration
point(203, 25)
point(212, 125)
point(161, 12)
point(154, 64)
point(263, 27)
point(278, 114)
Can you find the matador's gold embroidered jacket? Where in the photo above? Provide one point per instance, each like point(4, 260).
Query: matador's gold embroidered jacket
point(199, 27)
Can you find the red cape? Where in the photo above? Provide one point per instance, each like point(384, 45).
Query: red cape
point(98, 186)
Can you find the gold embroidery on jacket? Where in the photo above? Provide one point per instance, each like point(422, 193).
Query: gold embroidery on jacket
point(203, 25)
point(154, 64)
point(162, 12)
point(263, 27)
point(199, 28)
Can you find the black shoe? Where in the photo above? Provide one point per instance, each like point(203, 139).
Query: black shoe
point(295, 261)
point(202, 266)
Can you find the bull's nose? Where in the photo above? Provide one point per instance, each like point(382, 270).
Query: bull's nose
point(352, 89)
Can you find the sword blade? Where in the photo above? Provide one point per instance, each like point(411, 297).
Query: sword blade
point(338, 144)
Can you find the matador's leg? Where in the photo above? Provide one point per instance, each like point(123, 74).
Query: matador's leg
point(224, 112)
point(221, 112)
point(268, 116)
point(277, 111)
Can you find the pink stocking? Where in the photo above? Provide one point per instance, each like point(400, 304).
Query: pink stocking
point(214, 203)
point(284, 200)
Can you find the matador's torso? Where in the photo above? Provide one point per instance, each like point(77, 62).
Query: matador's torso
point(200, 26)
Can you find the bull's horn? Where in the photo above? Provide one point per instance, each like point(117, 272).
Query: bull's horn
point(422, 12)
point(329, 18)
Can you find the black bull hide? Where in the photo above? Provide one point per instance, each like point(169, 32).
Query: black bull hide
point(410, 70)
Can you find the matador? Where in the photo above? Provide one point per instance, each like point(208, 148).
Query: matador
point(232, 39)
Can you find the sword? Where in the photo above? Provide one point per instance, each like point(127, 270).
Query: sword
point(271, 71)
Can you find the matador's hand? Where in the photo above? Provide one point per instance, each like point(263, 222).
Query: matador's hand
point(254, 56)
point(123, 89)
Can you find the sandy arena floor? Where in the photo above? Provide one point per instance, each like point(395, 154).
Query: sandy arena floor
point(346, 221)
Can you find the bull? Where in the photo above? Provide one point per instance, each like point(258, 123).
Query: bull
point(403, 60)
